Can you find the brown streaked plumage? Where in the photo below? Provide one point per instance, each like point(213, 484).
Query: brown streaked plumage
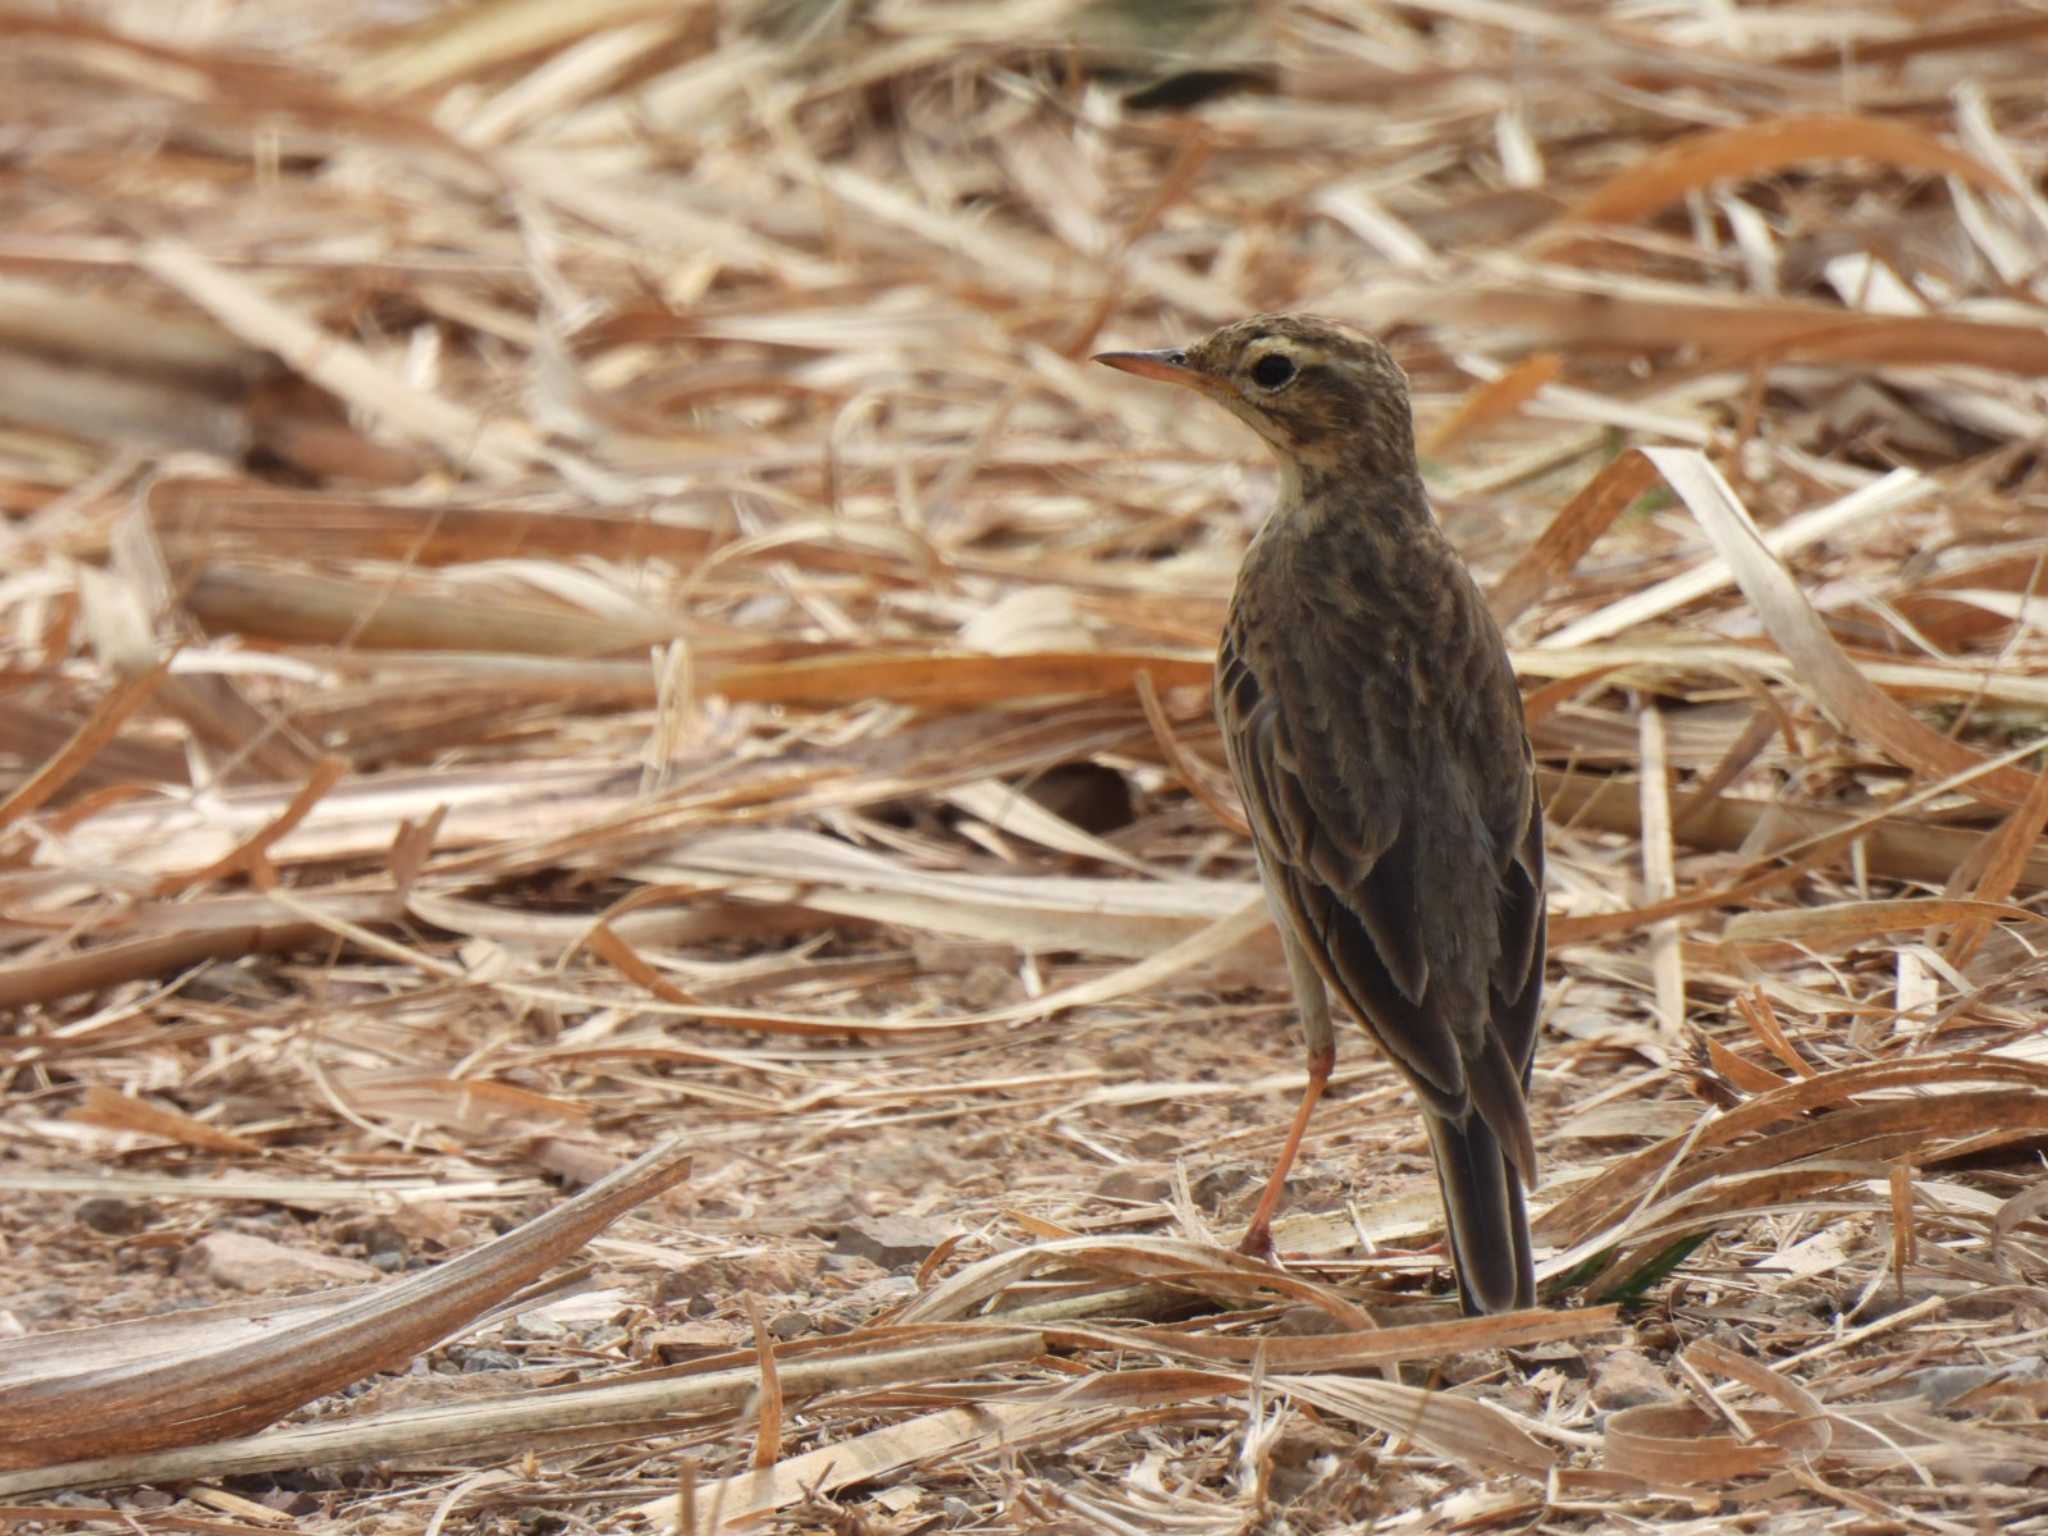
point(1375, 731)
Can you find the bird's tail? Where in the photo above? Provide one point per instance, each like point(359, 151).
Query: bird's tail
point(1484, 1217)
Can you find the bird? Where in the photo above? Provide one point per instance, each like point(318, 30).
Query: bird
point(1374, 728)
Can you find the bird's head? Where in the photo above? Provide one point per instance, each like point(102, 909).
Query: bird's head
point(1328, 397)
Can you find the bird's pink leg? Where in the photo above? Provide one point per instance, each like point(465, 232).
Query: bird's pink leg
point(1258, 1237)
point(1321, 1039)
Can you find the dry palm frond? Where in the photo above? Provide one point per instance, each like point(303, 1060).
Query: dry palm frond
point(565, 587)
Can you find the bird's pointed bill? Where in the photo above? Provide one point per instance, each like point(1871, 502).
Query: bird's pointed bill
point(1169, 365)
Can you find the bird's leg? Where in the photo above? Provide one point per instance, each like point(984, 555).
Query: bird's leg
point(1321, 1041)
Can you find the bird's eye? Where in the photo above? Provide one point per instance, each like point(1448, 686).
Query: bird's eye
point(1272, 371)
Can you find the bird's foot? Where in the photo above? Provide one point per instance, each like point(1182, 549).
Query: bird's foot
point(1257, 1242)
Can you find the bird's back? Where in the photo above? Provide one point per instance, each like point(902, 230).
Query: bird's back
point(1375, 732)
point(1368, 706)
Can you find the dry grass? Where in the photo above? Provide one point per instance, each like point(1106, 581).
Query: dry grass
point(568, 592)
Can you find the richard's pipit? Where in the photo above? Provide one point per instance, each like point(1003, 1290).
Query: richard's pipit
point(1375, 731)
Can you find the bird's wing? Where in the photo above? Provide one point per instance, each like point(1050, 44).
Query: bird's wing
point(1348, 885)
point(1351, 874)
point(1518, 973)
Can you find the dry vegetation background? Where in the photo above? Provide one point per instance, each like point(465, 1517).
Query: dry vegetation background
point(568, 595)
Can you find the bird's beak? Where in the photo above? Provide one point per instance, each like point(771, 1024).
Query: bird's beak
point(1169, 366)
